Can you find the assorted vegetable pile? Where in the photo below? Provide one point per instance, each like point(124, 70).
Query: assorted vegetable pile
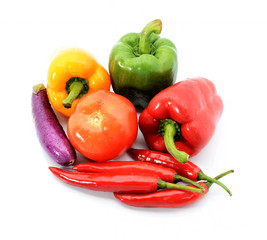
point(177, 121)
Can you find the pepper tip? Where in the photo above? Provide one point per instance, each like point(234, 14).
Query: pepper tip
point(75, 168)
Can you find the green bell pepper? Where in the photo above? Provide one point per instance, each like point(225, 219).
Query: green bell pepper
point(143, 64)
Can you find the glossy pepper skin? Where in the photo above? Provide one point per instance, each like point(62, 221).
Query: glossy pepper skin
point(188, 170)
point(165, 198)
point(143, 64)
point(133, 167)
point(117, 182)
point(165, 174)
point(72, 74)
point(182, 118)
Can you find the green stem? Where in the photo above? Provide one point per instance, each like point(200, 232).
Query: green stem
point(144, 43)
point(178, 178)
point(203, 176)
point(169, 130)
point(166, 185)
point(219, 176)
point(37, 88)
point(75, 89)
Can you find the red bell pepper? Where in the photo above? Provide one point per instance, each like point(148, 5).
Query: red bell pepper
point(182, 118)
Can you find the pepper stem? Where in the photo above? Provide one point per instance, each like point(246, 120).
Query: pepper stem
point(76, 88)
point(203, 176)
point(166, 185)
point(208, 184)
point(170, 130)
point(178, 178)
point(152, 27)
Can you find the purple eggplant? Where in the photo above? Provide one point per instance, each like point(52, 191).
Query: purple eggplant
point(49, 131)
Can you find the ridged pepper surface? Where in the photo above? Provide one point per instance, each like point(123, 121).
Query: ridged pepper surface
point(74, 73)
point(182, 118)
point(143, 64)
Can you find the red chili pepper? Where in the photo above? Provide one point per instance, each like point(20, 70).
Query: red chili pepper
point(114, 182)
point(188, 169)
point(182, 118)
point(165, 198)
point(132, 167)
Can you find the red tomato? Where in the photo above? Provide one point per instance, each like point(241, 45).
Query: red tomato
point(103, 126)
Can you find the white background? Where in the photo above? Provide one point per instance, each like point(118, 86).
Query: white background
point(224, 41)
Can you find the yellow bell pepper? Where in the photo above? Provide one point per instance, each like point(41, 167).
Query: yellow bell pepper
point(72, 74)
